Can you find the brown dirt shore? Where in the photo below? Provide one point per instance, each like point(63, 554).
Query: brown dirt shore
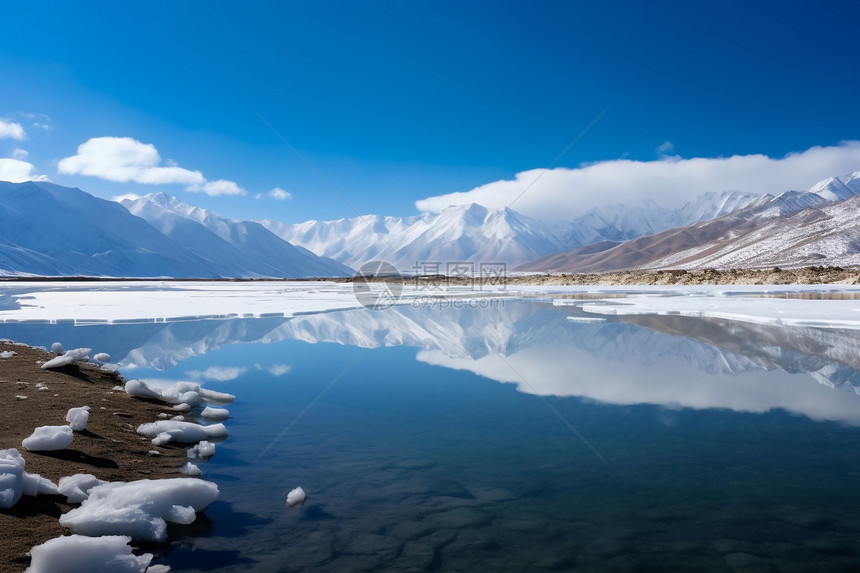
point(772, 276)
point(110, 448)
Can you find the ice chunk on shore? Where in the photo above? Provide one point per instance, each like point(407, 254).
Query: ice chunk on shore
point(11, 477)
point(217, 414)
point(7, 354)
point(190, 469)
point(78, 418)
point(102, 357)
point(77, 488)
point(139, 389)
point(34, 484)
point(165, 431)
point(49, 438)
point(57, 348)
point(15, 482)
point(141, 508)
point(70, 357)
point(179, 393)
point(296, 497)
point(203, 449)
point(82, 554)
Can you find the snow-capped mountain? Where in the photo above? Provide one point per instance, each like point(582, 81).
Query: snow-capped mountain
point(797, 228)
point(476, 233)
point(459, 233)
point(233, 248)
point(51, 230)
point(47, 229)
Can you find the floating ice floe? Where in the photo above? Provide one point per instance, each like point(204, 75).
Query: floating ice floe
point(217, 414)
point(70, 357)
point(15, 482)
point(165, 431)
point(49, 438)
point(296, 497)
point(202, 449)
point(78, 418)
point(76, 488)
point(140, 509)
point(57, 348)
point(82, 554)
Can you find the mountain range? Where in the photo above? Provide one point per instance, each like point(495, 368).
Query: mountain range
point(476, 233)
point(798, 228)
point(51, 230)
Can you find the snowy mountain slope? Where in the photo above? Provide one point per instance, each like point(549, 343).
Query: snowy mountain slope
point(460, 233)
point(624, 222)
point(234, 248)
point(828, 235)
point(474, 233)
point(795, 229)
point(838, 188)
point(50, 230)
point(47, 229)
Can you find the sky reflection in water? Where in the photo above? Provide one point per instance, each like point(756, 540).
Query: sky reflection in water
point(728, 445)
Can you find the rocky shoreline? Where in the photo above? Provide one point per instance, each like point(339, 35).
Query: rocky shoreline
point(109, 448)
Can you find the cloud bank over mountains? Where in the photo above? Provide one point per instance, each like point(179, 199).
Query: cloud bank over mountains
point(124, 160)
point(564, 193)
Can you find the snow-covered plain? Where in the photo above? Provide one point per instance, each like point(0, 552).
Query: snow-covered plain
point(167, 301)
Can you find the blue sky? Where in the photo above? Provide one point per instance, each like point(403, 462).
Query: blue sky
point(395, 102)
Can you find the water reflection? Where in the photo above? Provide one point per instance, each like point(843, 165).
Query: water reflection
point(670, 361)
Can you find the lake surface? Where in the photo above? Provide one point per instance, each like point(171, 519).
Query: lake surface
point(513, 436)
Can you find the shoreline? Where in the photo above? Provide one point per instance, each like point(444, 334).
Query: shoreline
point(110, 448)
point(708, 276)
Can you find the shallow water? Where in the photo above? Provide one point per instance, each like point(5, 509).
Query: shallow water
point(510, 438)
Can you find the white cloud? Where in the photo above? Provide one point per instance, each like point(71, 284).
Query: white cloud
point(671, 181)
point(123, 159)
point(665, 148)
point(38, 125)
point(218, 187)
point(17, 171)
point(218, 373)
point(11, 130)
point(279, 194)
point(279, 369)
point(20, 153)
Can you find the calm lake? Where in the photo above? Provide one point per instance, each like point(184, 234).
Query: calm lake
point(515, 435)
